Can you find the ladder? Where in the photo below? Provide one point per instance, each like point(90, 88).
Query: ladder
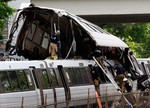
point(107, 73)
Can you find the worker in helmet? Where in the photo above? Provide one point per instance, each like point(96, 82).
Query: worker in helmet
point(120, 74)
point(127, 85)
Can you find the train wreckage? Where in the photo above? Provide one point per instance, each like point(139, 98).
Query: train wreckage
point(39, 33)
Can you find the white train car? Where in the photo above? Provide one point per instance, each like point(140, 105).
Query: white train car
point(17, 83)
point(76, 80)
point(45, 83)
point(144, 65)
point(51, 83)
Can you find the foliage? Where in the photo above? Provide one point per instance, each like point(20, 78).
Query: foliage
point(5, 12)
point(136, 35)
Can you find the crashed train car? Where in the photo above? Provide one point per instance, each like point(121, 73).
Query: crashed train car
point(33, 27)
point(30, 36)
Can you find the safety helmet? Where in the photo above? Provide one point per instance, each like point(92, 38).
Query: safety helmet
point(125, 79)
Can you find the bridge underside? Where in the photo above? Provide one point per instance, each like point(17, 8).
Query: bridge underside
point(103, 11)
point(121, 18)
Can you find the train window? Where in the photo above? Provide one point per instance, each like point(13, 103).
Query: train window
point(77, 76)
point(5, 83)
point(31, 30)
point(22, 80)
point(54, 77)
point(47, 76)
point(38, 36)
point(72, 78)
point(16, 80)
point(46, 79)
point(85, 75)
point(57, 76)
point(13, 80)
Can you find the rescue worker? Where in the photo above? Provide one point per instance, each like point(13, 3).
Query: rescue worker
point(100, 58)
point(96, 70)
point(96, 79)
point(127, 85)
point(53, 48)
point(128, 88)
point(120, 74)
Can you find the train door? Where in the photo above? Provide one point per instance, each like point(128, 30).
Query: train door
point(77, 84)
point(39, 86)
point(50, 87)
point(64, 82)
point(46, 87)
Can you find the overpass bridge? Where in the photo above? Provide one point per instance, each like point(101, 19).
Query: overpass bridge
point(99, 11)
point(103, 11)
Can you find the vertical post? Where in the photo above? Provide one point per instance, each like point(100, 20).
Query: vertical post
point(67, 100)
point(106, 102)
point(88, 99)
point(22, 102)
point(45, 104)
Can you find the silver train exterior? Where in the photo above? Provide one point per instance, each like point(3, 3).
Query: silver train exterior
point(144, 64)
point(50, 83)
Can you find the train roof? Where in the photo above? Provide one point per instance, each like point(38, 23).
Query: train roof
point(12, 65)
point(144, 60)
point(69, 63)
point(101, 37)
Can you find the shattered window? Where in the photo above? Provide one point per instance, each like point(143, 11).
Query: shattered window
point(38, 36)
point(31, 30)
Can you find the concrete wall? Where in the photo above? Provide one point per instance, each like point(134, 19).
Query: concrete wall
point(16, 3)
point(99, 11)
point(95, 7)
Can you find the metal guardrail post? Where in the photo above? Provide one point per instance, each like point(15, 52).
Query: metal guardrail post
point(22, 102)
point(45, 101)
point(106, 101)
point(88, 99)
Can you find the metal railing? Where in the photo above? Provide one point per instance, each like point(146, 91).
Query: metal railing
point(138, 99)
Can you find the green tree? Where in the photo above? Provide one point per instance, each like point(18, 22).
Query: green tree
point(5, 12)
point(136, 35)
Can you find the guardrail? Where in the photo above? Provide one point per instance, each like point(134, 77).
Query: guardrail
point(138, 99)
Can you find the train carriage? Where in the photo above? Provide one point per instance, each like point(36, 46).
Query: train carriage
point(45, 83)
point(61, 82)
point(18, 85)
